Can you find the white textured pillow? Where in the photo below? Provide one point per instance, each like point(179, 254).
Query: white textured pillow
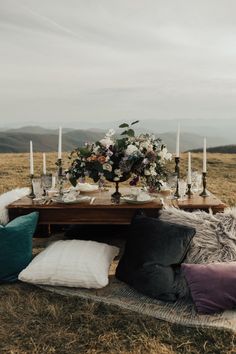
point(72, 263)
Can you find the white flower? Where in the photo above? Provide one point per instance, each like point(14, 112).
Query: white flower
point(96, 149)
point(147, 172)
point(110, 133)
point(118, 172)
point(165, 155)
point(107, 167)
point(146, 145)
point(116, 179)
point(131, 149)
point(153, 172)
point(106, 141)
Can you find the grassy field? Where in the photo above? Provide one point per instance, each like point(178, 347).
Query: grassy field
point(33, 321)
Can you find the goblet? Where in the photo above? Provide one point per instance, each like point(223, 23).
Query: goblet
point(182, 189)
point(171, 183)
point(37, 187)
point(196, 181)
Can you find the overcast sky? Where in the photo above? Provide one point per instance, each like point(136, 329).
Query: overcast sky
point(72, 61)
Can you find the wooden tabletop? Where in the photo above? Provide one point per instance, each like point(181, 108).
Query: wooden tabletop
point(103, 199)
point(103, 211)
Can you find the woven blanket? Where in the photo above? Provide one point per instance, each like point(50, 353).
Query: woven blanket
point(181, 312)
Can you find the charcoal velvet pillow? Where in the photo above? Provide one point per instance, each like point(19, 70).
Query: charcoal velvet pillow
point(212, 286)
point(16, 246)
point(153, 251)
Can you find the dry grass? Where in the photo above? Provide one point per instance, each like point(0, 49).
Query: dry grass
point(33, 321)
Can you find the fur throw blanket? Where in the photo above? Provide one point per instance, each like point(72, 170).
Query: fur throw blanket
point(8, 198)
point(214, 241)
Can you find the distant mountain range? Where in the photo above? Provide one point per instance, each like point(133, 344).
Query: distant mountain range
point(226, 149)
point(45, 142)
point(222, 129)
point(17, 140)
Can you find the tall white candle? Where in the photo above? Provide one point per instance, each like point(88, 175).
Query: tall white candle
point(53, 182)
point(59, 143)
point(204, 165)
point(31, 159)
point(177, 141)
point(44, 164)
point(189, 179)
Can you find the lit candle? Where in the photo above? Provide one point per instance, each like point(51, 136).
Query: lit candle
point(44, 164)
point(204, 165)
point(31, 159)
point(189, 180)
point(59, 143)
point(177, 141)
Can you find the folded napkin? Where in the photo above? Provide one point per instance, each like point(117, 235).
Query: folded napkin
point(142, 196)
point(86, 187)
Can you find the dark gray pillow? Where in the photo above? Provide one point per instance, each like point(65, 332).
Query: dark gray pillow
point(153, 251)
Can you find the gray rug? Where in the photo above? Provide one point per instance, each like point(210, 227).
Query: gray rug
point(119, 294)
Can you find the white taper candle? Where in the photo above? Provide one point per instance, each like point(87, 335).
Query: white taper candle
point(204, 165)
point(53, 182)
point(59, 143)
point(44, 164)
point(31, 158)
point(177, 141)
point(189, 179)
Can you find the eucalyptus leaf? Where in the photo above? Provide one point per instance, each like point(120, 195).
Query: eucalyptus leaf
point(137, 121)
point(124, 132)
point(130, 132)
point(124, 125)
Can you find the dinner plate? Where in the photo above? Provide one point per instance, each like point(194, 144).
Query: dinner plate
point(80, 199)
point(131, 200)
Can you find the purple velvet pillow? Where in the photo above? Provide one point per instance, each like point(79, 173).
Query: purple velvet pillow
point(212, 286)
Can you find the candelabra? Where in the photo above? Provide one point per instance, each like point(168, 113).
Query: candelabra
point(204, 184)
point(189, 192)
point(60, 177)
point(31, 195)
point(177, 171)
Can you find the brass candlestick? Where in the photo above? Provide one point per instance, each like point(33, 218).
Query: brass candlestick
point(60, 177)
point(189, 192)
point(204, 184)
point(31, 195)
point(177, 171)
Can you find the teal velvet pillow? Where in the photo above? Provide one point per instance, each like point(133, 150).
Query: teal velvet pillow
point(16, 246)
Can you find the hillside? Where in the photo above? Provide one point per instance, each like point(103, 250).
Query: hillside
point(35, 129)
point(17, 140)
point(226, 149)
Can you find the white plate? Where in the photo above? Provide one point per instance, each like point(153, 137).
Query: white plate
point(131, 200)
point(81, 199)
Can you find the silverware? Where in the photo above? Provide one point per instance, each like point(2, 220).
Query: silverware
point(92, 200)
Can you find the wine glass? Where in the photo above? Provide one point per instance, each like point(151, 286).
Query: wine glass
point(182, 184)
point(196, 181)
point(172, 183)
point(37, 188)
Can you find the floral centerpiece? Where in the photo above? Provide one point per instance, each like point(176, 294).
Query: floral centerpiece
point(118, 158)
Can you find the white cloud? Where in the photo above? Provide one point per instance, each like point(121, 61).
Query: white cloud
point(78, 60)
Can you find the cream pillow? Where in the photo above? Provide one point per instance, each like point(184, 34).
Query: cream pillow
point(72, 263)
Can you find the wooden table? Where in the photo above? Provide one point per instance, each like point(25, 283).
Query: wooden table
point(102, 211)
